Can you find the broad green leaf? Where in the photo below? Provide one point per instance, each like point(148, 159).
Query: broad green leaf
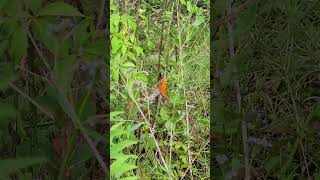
point(115, 44)
point(60, 9)
point(114, 66)
point(19, 43)
point(8, 166)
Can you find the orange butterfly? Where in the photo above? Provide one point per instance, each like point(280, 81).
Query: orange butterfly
point(163, 88)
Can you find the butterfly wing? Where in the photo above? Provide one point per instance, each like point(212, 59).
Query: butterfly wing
point(163, 88)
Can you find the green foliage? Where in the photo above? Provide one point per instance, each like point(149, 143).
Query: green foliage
point(277, 68)
point(150, 39)
point(51, 66)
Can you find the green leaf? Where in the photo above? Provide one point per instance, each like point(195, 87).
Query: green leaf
point(189, 6)
point(34, 5)
point(115, 44)
point(138, 49)
point(128, 64)
point(98, 47)
point(183, 2)
point(199, 20)
point(60, 9)
point(164, 113)
point(19, 43)
point(41, 31)
point(120, 166)
point(8, 166)
point(64, 72)
point(81, 32)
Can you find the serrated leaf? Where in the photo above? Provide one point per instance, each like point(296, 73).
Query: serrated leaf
point(60, 9)
point(121, 146)
point(120, 166)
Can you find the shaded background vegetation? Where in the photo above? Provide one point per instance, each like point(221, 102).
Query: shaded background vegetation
point(278, 68)
point(53, 89)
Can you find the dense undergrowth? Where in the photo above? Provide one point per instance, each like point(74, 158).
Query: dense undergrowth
point(53, 89)
point(277, 64)
point(153, 137)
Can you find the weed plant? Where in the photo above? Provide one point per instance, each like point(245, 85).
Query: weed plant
point(160, 138)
